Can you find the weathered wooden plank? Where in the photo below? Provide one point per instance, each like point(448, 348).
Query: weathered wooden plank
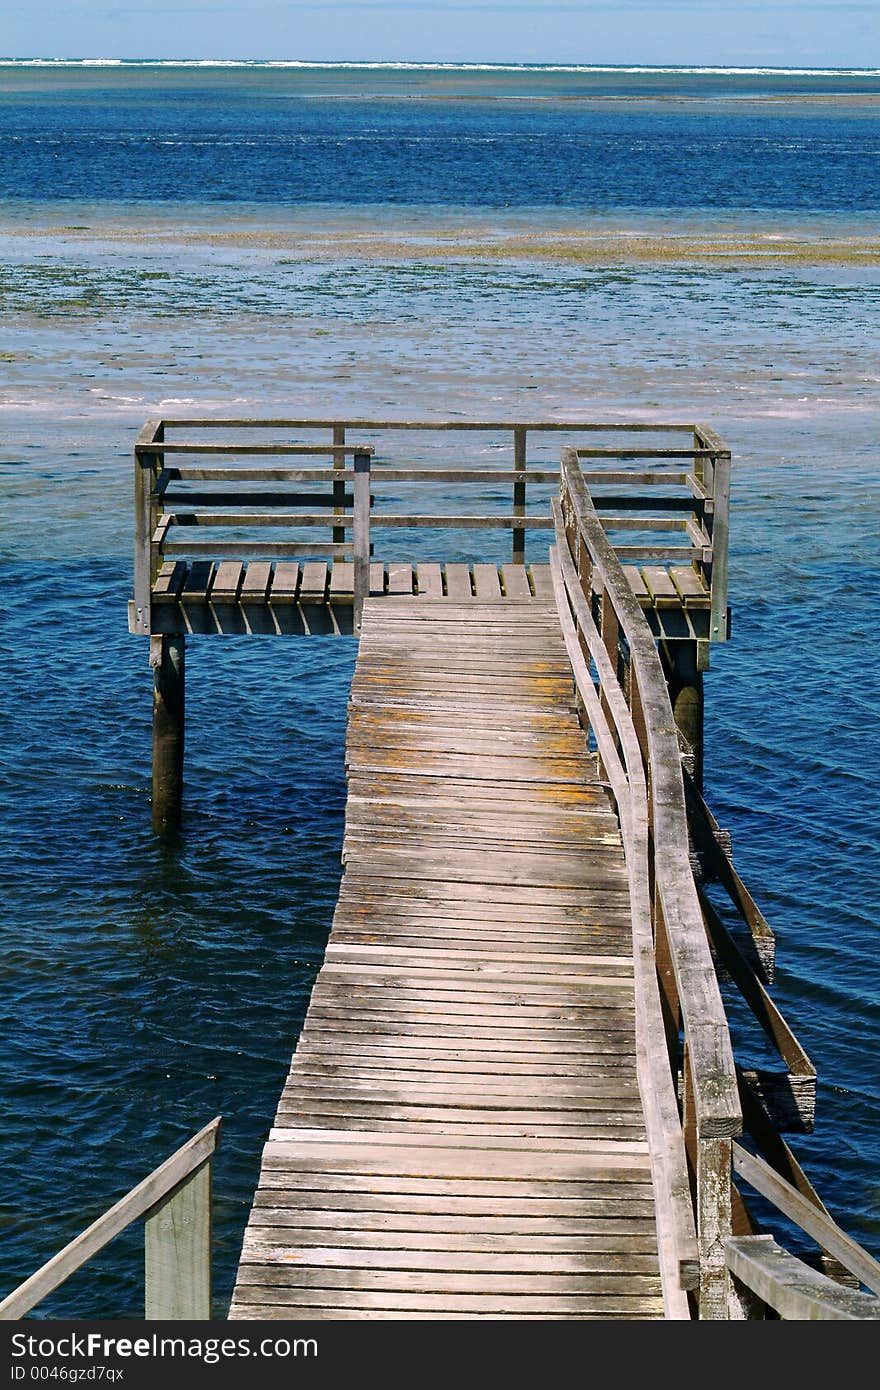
point(255, 585)
point(516, 582)
point(659, 585)
point(483, 1275)
point(285, 581)
point(313, 586)
point(604, 1191)
point(227, 581)
point(637, 583)
point(197, 583)
point(400, 579)
point(271, 1237)
point(177, 1242)
point(458, 582)
point(169, 581)
point(487, 583)
point(430, 580)
point(690, 586)
point(424, 1255)
point(254, 1301)
point(541, 581)
point(286, 1209)
point(342, 581)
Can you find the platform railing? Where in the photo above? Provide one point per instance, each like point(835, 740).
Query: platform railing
point(632, 719)
point(662, 502)
point(174, 1202)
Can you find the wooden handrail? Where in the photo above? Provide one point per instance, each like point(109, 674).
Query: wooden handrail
point(172, 1181)
point(816, 1223)
point(676, 1231)
point(711, 1091)
point(794, 1290)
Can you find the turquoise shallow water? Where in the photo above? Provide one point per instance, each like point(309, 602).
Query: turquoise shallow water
point(148, 988)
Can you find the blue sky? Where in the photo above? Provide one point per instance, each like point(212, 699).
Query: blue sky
point(815, 33)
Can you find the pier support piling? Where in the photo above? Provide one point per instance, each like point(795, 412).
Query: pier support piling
point(686, 694)
point(167, 658)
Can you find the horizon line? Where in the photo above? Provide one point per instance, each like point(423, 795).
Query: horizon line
point(415, 65)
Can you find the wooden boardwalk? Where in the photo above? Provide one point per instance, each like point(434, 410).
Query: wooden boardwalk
point(461, 1133)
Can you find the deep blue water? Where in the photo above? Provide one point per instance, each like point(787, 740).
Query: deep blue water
point(537, 140)
point(148, 987)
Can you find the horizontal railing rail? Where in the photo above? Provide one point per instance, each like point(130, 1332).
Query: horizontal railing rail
point(691, 999)
point(175, 1203)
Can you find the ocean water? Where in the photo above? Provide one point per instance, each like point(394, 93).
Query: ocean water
point(321, 242)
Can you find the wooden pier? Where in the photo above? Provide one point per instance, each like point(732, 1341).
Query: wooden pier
point(516, 1093)
point(464, 1092)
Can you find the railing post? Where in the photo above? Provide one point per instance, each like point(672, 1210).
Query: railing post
point(720, 540)
point(177, 1252)
point(338, 488)
point(714, 1226)
point(361, 534)
point(146, 469)
point(715, 477)
point(519, 493)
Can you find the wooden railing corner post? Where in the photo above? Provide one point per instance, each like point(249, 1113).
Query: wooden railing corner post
point(718, 624)
point(177, 1252)
point(519, 493)
point(146, 471)
point(175, 1203)
point(362, 478)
